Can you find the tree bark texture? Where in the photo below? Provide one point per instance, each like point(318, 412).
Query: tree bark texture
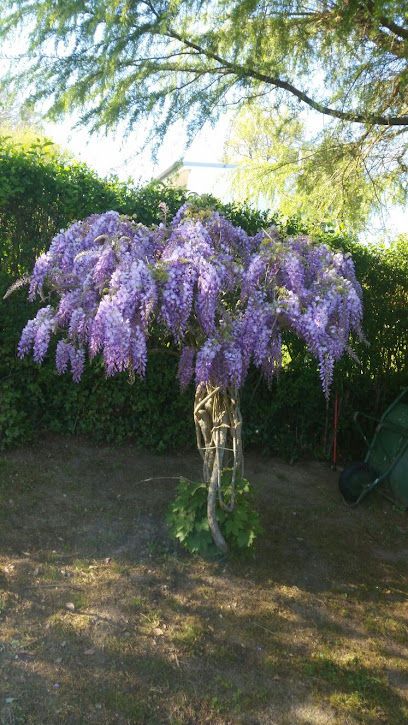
point(218, 423)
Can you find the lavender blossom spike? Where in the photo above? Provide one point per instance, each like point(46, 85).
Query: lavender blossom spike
point(221, 297)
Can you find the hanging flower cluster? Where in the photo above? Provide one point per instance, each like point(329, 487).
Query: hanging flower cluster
point(221, 296)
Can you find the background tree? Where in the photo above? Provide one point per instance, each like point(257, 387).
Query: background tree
point(220, 297)
point(18, 119)
point(161, 60)
point(319, 176)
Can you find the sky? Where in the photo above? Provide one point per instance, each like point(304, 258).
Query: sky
point(110, 154)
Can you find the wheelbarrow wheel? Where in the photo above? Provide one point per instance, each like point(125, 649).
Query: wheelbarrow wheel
point(353, 480)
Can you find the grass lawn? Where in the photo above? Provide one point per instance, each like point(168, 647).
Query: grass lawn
point(105, 620)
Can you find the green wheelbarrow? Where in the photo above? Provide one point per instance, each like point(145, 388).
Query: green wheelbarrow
point(386, 463)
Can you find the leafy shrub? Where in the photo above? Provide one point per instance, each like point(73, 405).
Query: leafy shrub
point(187, 516)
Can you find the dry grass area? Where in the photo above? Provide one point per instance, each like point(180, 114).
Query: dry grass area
point(104, 620)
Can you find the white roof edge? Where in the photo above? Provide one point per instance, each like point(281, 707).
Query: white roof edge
point(180, 164)
point(209, 164)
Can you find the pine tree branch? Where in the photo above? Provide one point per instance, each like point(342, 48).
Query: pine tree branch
point(398, 30)
point(248, 72)
point(369, 26)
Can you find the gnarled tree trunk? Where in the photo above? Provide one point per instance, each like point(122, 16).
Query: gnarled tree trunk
point(218, 423)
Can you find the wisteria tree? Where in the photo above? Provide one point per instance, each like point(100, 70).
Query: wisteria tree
point(220, 297)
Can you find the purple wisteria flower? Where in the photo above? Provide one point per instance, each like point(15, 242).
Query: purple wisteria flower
point(221, 297)
point(37, 334)
point(186, 366)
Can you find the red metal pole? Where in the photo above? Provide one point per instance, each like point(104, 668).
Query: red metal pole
point(335, 431)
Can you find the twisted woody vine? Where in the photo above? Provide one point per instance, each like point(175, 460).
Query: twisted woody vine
point(198, 282)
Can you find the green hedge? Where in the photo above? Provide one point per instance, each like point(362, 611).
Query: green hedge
point(41, 192)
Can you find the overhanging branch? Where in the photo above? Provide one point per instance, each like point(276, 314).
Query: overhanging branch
point(248, 72)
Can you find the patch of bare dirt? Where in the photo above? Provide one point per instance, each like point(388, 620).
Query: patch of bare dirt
point(104, 619)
